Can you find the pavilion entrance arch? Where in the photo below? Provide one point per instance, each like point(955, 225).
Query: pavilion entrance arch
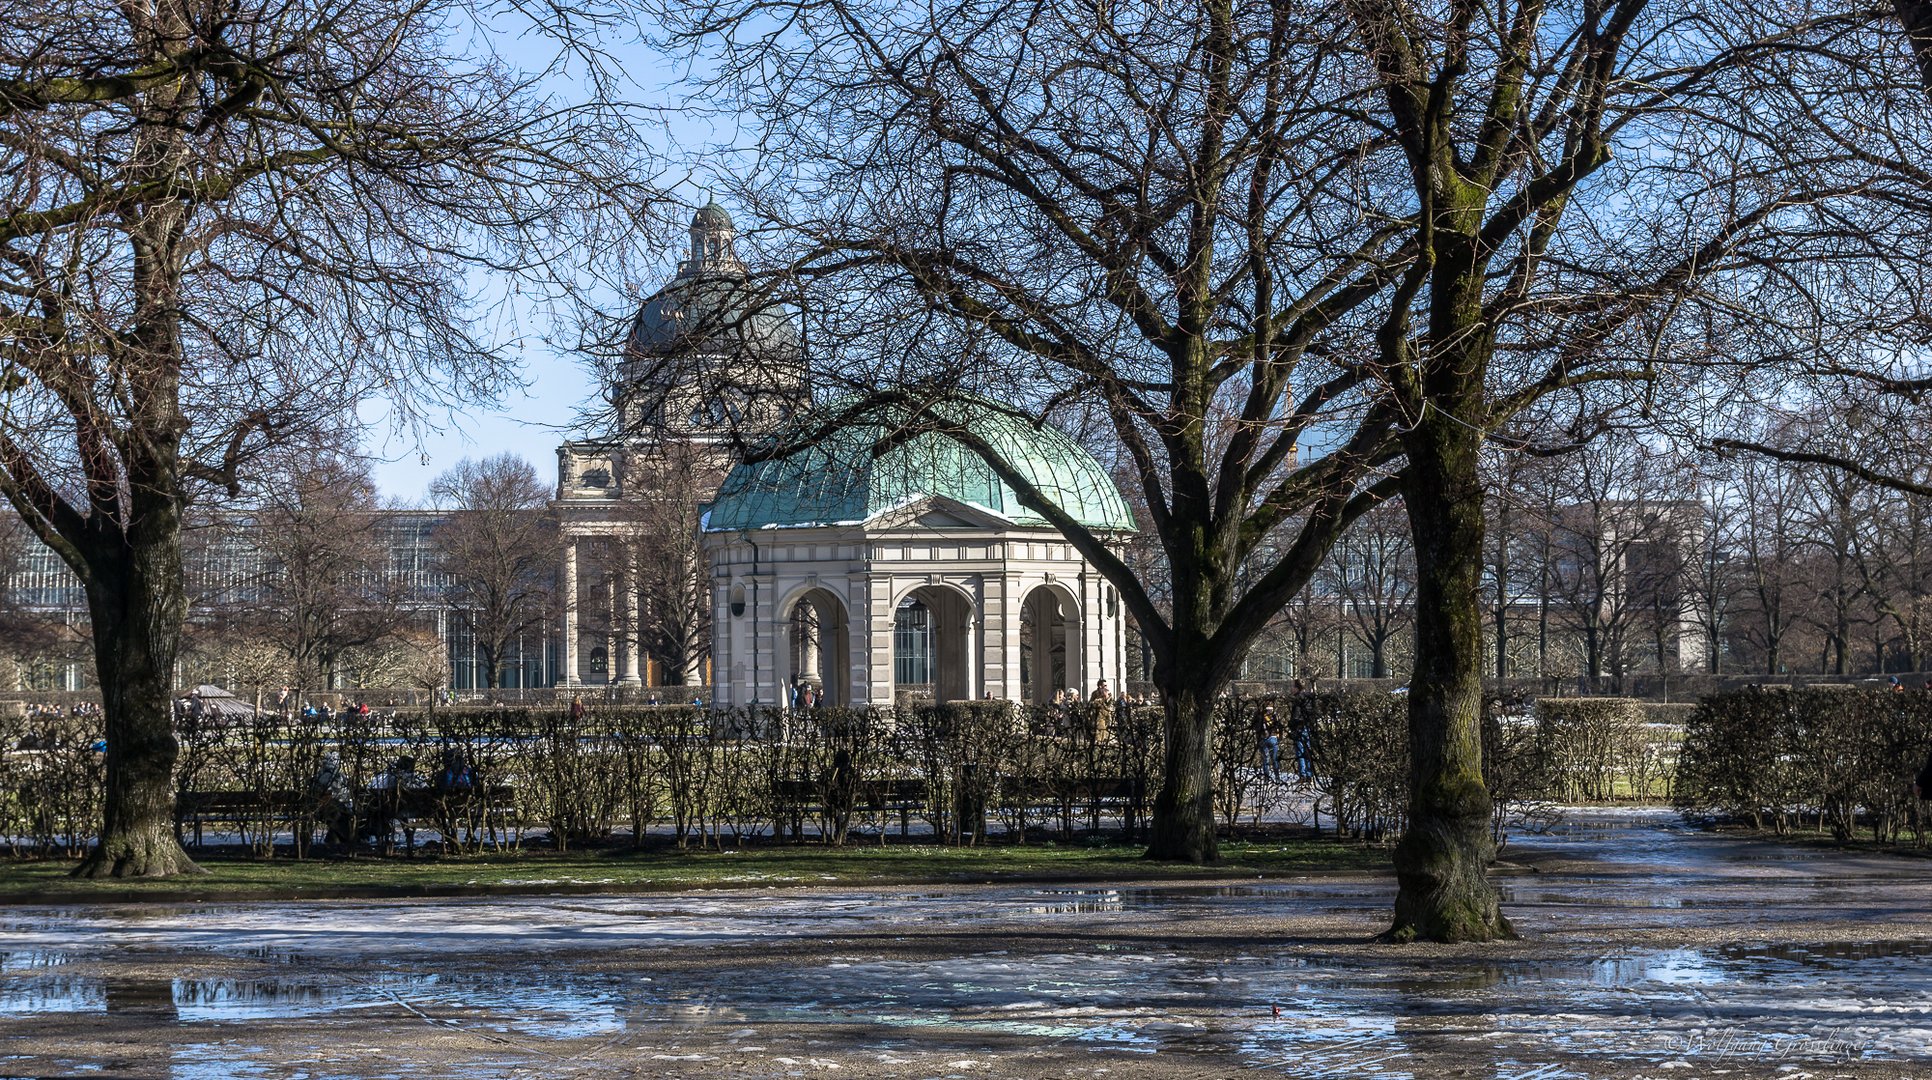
point(1051, 650)
point(818, 638)
point(934, 631)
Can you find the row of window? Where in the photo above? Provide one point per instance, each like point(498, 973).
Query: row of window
point(227, 568)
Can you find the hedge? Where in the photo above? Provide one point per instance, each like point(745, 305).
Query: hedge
point(712, 776)
point(1834, 759)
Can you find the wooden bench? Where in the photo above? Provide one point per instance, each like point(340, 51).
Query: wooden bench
point(407, 808)
point(797, 798)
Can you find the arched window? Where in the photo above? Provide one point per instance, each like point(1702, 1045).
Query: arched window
point(599, 661)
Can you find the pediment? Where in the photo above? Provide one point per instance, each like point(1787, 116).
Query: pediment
point(938, 513)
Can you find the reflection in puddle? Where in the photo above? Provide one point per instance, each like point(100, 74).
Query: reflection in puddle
point(1338, 1017)
point(30, 960)
point(51, 994)
point(568, 970)
point(532, 1006)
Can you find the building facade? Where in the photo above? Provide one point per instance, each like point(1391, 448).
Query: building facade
point(913, 573)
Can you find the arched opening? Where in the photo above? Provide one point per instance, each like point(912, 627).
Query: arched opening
point(818, 647)
point(932, 644)
point(1050, 653)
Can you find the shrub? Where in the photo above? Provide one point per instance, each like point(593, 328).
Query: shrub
point(1836, 758)
point(51, 778)
point(1358, 749)
point(1590, 745)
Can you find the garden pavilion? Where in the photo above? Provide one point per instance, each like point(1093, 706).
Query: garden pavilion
point(912, 572)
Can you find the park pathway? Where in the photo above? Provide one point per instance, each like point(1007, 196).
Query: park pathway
point(1649, 950)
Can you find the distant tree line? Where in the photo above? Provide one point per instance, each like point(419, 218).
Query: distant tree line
point(1641, 555)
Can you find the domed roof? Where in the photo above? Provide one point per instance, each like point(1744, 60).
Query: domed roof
point(838, 480)
point(712, 312)
point(710, 307)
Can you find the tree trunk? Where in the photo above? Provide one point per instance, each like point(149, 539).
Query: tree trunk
point(1183, 827)
point(137, 603)
point(1543, 620)
point(1502, 589)
point(1443, 891)
point(489, 670)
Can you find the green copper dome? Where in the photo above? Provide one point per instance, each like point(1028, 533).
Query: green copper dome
point(838, 480)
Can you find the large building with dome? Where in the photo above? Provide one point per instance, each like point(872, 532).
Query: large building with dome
point(866, 576)
point(706, 366)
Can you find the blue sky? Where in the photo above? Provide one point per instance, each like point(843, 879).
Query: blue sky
point(533, 420)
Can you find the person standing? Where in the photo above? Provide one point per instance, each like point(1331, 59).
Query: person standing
point(1922, 787)
point(1269, 741)
point(1103, 710)
point(1299, 723)
point(332, 800)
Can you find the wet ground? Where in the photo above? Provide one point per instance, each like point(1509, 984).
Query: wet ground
point(1649, 951)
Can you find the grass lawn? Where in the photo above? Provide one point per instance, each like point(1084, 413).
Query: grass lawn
point(241, 878)
point(1862, 842)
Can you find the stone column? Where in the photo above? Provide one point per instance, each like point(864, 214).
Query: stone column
point(569, 614)
point(626, 619)
point(811, 635)
point(974, 675)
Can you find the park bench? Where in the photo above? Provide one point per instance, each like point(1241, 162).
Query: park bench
point(800, 798)
point(1107, 792)
point(1068, 796)
point(409, 809)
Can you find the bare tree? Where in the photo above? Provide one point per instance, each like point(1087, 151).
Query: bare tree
point(1371, 574)
point(1835, 516)
point(24, 633)
point(321, 590)
point(1506, 564)
point(219, 222)
point(1611, 519)
point(1895, 564)
point(1711, 585)
point(500, 551)
point(1769, 551)
point(667, 486)
point(1202, 232)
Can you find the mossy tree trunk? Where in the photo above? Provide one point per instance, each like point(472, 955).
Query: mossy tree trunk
point(1183, 826)
point(127, 548)
point(1444, 893)
point(137, 602)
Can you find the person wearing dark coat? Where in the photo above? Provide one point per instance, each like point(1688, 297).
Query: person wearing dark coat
point(1922, 787)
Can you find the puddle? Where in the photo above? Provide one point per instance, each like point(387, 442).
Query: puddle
point(510, 1002)
point(545, 971)
point(52, 994)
